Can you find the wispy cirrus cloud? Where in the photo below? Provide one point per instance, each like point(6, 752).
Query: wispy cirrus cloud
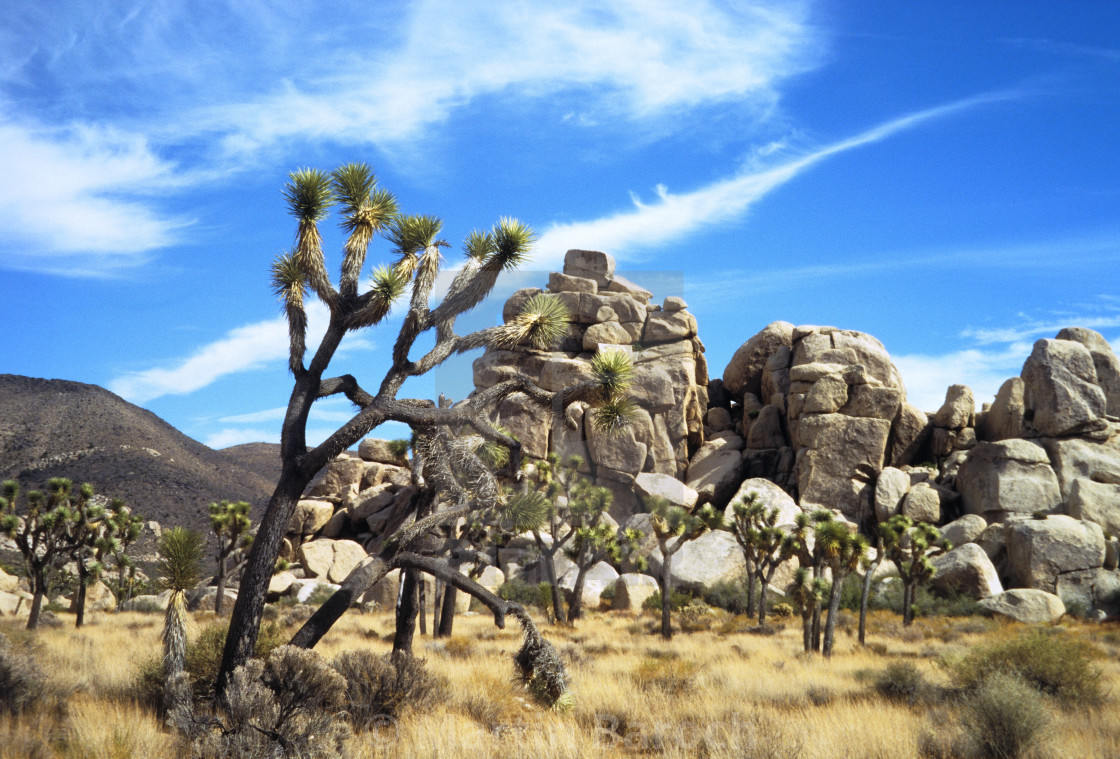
point(80, 199)
point(245, 348)
point(674, 215)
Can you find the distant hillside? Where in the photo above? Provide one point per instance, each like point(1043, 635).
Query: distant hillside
point(57, 428)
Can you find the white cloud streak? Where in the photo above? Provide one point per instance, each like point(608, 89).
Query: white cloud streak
point(674, 216)
point(245, 348)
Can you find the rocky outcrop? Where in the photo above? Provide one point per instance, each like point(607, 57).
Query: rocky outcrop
point(966, 570)
point(713, 557)
point(1058, 554)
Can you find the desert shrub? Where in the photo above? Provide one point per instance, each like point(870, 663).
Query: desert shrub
point(385, 685)
point(526, 594)
point(204, 655)
point(1051, 662)
point(677, 600)
point(607, 593)
point(1004, 718)
point(730, 595)
point(320, 595)
point(782, 610)
point(285, 707)
point(902, 681)
point(697, 616)
point(21, 685)
point(927, 603)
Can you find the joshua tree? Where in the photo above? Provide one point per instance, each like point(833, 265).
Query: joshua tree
point(462, 482)
point(180, 566)
point(841, 549)
point(43, 534)
point(596, 543)
point(673, 526)
point(571, 503)
point(94, 535)
point(127, 527)
point(910, 546)
point(230, 523)
point(806, 593)
point(765, 546)
point(808, 555)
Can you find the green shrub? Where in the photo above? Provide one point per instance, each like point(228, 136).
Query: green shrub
point(1005, 717)
point(1051, 662)
point(384, 685)
point(926, 603)
point(320, 595)
point(696, 616)
point(539, 595)
point(608, 593)
point(782, 610)
point(669, 674)
point(730, 595)
point(902, 681)
point(677, 600)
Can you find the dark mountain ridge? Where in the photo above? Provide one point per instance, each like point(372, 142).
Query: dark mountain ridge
point(59, 428)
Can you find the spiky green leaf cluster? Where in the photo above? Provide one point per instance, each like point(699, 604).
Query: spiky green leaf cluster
point(525, 511)
point(542, 322)
point(180, 558)
point(309, 193)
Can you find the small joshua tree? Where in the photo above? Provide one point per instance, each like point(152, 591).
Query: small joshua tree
point(806, 593)
point(230, 523)
point(765, 546)
point(94, 536)
point(810, 556)
point(674, 526)
point(180, 567)
point(43, 533)
point(910, 546)
point(127, 527)
point(841, 549)
point(871, 563)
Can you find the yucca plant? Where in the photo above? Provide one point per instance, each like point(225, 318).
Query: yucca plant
point(910, 546)
point(806, 593)
point(179, 569)
point(765, 546)
point(842, 550)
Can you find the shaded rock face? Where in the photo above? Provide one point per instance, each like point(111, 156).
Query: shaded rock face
point(669, 385)
point(1060, 389)
point(968, 570)
point(1008, 477)
point(1026, 605)
point(1057, 554)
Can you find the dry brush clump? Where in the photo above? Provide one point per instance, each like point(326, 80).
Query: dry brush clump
point(384, 685)
point(21, 684)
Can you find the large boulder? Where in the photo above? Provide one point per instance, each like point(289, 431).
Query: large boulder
point(714, 472)
point(330, 560)
point(713, 557)
point(652, 484)
point(590, 264)
point(959, 409)
point(1040, 552)
point(909, 432)
point(968, 570)
point(310, 516)
point(1105, 361)
point(1097, 502)
point(922, 504)
point(1061, 390)
point(1026, 605)
point(8, 583)
point(744, 372)
point(1005, 418)
point(964, 530)
point(891, 487)
point(771, 496)
point(1008, 477)
point(380, 451)
point(840, 459)
point(341, 472)
point(1080, 459)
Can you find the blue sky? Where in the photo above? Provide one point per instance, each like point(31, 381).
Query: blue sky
point(941, 175)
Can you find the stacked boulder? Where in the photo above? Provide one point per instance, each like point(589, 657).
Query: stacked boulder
point(669, 386)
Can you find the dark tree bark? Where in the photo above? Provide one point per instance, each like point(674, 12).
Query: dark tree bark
point(447, 613)
point(421, 606)
point(750, 592)
point(80, 595)
point(407, 602)
point(864, 597)
point(575, 606)
point(666, 595)
point(833, 610)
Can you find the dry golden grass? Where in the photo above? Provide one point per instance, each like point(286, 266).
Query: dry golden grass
point(705, 694)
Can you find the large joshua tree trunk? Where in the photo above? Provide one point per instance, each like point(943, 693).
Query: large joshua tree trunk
point(80, 595)
point(219, 601)
point(406, 611)
point(549, 565)
point(447, 612)
point(575, 606)
point(750, 592)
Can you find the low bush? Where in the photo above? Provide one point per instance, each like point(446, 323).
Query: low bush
point(384, 685)
point(1051, 662)
point(526, 594)
point(730, 595)
point(671, 675)
point(677, 600)
point(902, 681)
point(1004, 718)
